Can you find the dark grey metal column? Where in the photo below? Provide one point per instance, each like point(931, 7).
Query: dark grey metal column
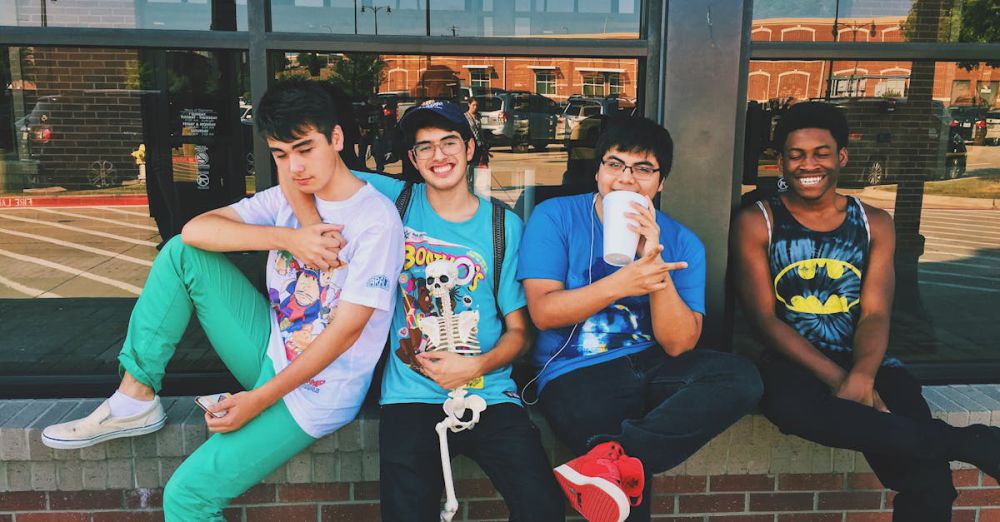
point(259, 79)
point(704, 108)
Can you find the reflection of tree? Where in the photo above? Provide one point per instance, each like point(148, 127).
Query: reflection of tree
point(968, 21)
point(358, 74)
point(312, 62)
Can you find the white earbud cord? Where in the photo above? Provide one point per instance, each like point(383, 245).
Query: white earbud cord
point(590, 281)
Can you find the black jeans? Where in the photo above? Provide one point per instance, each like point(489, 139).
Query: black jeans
point(908, 450)
point(505, 444)
point(661, 409)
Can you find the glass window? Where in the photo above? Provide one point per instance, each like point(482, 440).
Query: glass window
point(593, 85)
point(554, 19)
point(479, 79)
point(545, 82)
point(539, 148)
point(227, 15)
point(614, 83)
point(873, 21)
point(104, 153)
point(922, 146)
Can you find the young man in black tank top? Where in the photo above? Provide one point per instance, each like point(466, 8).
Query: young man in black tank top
point(816, 280)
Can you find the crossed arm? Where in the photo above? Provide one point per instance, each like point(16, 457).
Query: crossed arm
point(749, 244)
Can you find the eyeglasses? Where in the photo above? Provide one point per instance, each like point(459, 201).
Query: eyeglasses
point(448, 146)
point(643, 172)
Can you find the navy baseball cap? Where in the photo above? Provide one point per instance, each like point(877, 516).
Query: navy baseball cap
point(419, 117)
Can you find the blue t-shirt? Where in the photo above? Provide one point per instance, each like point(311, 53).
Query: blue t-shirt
point(564, 241)
point(446, 297)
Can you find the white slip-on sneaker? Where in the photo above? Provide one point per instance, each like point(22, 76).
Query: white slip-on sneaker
point(100, 426)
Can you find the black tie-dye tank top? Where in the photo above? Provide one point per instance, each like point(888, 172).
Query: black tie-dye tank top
point(816, 277)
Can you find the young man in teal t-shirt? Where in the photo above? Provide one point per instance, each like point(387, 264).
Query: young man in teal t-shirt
point(453, 327)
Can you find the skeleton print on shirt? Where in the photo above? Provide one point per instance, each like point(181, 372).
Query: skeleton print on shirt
point(437, 285)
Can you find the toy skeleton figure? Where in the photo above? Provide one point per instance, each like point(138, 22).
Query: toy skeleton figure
point(449, 331)
point(455, 407)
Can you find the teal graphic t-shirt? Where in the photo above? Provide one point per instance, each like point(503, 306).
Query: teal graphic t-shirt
point(446, 296)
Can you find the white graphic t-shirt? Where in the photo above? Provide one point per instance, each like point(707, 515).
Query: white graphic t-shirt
point(304, 300)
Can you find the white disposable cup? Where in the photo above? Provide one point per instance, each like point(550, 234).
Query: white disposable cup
point(620, 243)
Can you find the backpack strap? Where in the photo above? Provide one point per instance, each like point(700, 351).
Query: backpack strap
point(499, 249)
point(403, 199)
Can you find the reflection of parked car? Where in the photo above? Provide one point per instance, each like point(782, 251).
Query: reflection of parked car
point(965, 119)
point(993, 127)
point(575, 124)
point(83, 138)
point(518, 118)
point(879, 136)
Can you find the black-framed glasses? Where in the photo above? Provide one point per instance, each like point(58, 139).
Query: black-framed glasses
point(448, 146)
point(643, 172)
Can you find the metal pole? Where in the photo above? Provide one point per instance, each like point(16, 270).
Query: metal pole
point(427, 16)
point(829, 74)
point(355, 16)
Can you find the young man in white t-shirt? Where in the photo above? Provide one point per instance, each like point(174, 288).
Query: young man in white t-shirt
point(306, 373)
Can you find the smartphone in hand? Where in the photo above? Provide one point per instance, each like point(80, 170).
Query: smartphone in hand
point(207, 401)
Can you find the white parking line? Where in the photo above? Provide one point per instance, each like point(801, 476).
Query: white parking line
point(74, 271)
point(963, 287)
point(959, 242)
point(27, 290)
point(951, 260)
point(937, 229)
point(95, 218)
point(972, 252)
point(958, 274)
point(81, 230)
point(122, 211)
point(85, 248)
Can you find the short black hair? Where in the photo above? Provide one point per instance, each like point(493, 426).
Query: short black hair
point(290, 107)
point(639, 135)
point(811, 115)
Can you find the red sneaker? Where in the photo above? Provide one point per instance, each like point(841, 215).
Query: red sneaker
point(592, 484)
point(632, 478)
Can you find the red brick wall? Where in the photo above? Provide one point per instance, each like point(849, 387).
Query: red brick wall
point(825, 497)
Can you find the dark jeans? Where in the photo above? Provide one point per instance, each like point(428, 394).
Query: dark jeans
point(661, 409)
point(908, 450)
point(505, 444)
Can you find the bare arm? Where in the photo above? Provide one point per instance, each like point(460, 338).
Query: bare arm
point(676, 327)
point(303, 205)
point(749, 244)
point(330, 344)
point(223, 230)
point(451, 370)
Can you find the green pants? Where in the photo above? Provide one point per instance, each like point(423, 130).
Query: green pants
point(236, 319)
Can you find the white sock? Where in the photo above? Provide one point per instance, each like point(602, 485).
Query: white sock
point(124, 406)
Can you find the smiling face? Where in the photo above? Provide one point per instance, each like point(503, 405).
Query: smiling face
point(310, 160)
point(811, 162)
point(441, 170)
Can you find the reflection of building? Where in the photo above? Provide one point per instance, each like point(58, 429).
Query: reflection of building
point(953, 85)
point(86, 118)
point(557, 78)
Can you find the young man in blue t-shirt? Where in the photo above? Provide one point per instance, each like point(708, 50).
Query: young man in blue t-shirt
point(619, 379)
point(453, 328)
